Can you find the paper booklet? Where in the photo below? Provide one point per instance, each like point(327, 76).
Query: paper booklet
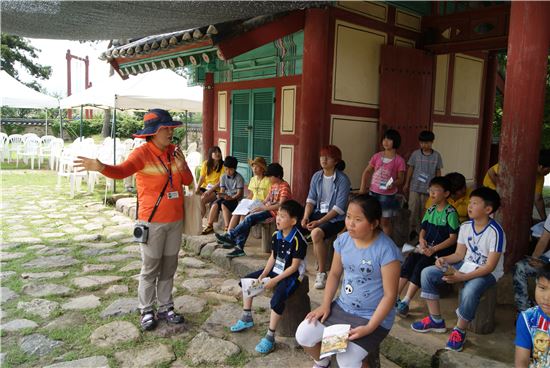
point(408, 248)
point(253, 287)
point(245, 206)
point(335, 340)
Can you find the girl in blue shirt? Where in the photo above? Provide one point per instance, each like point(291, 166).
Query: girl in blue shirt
point(370, 262)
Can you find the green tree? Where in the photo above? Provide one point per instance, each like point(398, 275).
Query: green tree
point(499, 105)
point(17, 50)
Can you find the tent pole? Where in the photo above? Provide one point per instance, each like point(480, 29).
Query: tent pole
point(81, 111)
point(114, 143)
point(60, 123)
point(46, 121)
point(186, 131)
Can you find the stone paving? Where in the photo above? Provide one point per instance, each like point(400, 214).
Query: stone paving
point(69, 278)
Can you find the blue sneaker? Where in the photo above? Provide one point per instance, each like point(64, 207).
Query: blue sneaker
point(397, 302)
point(428, 324)
point(456, 340)
point(402, 309)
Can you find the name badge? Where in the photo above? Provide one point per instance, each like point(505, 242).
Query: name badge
point(423, 178)
point(173, 195)
point(279, 266)
point(324, 207)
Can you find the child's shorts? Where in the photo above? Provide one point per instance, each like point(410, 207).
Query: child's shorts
point(339, 316)
point(284, 289)
point(329, 228)
point(389, 203)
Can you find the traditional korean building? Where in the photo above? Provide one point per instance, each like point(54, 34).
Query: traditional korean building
point(283, 85)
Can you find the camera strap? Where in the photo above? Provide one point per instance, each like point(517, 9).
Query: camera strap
point(156, 204)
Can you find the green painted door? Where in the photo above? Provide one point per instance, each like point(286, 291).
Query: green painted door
point(252, 126)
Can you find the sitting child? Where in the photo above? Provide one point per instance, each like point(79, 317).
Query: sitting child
point(532, 339)
point(258, 187)
point(477, 262)
point(231, 192)
point(369, 262)
point(285, 268)
point(526, 268)
point(460, 195)
point(278, 193)
point(437, 238)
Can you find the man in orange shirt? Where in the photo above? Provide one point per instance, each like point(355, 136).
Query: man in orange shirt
point(161, 171)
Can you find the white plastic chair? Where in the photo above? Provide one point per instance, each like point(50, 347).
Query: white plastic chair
point(193, 159)
point(31, 149)
point(56, 148)
point(67, 169)
point(4, 149)
point(45, 147)
point(15, 142)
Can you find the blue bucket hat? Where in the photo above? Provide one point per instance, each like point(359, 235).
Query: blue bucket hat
point(155, 119)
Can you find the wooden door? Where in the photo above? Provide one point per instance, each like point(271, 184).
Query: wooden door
point(406, 85)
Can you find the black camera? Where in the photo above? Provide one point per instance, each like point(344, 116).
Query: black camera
point(141, 233)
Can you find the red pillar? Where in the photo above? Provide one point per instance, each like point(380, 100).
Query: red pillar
point(208, 114)
point(488, 117)
point(528, 41)
point(313, 119)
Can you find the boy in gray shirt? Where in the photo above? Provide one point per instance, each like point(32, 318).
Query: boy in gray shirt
point(231, 192)
point(423, 165)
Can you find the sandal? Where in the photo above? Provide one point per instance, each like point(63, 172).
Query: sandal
point(170, 316)
point(148, 321)
point(315, 365)
point(207, 230)
point(265, 346)
point(241, 326)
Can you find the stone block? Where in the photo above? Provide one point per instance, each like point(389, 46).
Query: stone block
point(452, 359)
point(220, 259)
point(208, 249)
point(267, 231)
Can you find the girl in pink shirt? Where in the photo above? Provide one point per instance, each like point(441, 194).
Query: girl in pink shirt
point(384, 174)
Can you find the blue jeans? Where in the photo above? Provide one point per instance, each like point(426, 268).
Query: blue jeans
point(522, 272)
point(471, 293)
point(241, 232)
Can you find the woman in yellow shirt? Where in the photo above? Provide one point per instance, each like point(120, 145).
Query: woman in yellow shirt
point(209, 180)
point(492, 177)
point(258, 188)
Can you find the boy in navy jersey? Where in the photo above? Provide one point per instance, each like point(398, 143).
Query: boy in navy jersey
point(285, 268)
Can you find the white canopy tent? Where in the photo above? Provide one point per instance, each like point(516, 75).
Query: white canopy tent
point(15, 94)
point(157, 89)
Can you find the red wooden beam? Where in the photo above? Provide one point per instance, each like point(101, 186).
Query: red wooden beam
point(522, 121)
point(500, 82)
point(493, 43)
point(268, 32)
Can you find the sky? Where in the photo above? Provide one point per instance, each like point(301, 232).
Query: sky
point(52, 53)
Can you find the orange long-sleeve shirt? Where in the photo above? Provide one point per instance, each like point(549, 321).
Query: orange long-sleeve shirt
point(150, 179)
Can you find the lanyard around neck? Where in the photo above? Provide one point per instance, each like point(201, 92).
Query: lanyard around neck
point(168, 169)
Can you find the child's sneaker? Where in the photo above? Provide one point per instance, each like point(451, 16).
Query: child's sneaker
point(456, 340)
point(225, 239)
point(402, 309)
point(428, 324)
point(320, 280)
point(397, 302)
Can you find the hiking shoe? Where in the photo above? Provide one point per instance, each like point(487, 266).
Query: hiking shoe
point(402, 309)
point(170, 316)
point(148, 321)
point(225, 239)
point(237, 252)
point(228, 246)
point(320, 280)
point(428, 324)
point(207, 230)
point(456, 340)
